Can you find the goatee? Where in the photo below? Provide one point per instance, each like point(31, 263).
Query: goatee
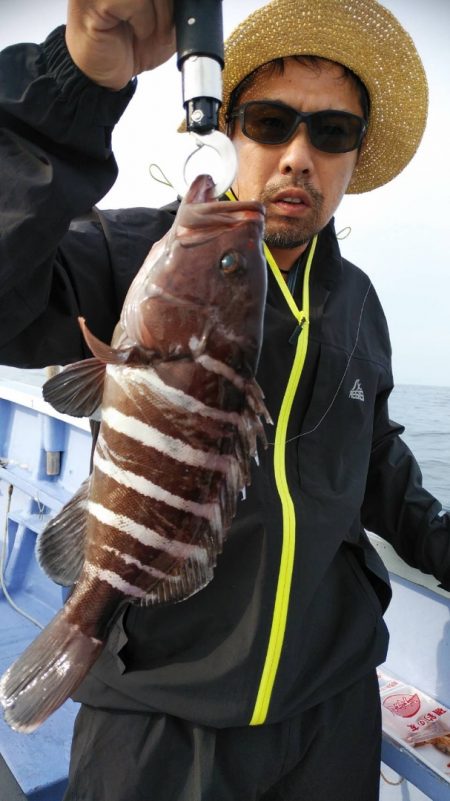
point(289, 232)
point(286, 239)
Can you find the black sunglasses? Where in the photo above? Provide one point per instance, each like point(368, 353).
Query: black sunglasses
point(272, 123)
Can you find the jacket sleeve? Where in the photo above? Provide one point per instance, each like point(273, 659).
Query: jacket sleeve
point(396, 505)
point(56, 162)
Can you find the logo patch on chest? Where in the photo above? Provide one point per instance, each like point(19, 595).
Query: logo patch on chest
point(357, 392)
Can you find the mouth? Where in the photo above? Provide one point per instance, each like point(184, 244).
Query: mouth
point(292, 202)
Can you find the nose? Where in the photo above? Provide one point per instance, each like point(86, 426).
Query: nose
point(297, 154)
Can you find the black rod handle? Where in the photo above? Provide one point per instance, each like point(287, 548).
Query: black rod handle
point(199, 29)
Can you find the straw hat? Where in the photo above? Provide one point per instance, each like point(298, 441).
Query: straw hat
point(364, 36)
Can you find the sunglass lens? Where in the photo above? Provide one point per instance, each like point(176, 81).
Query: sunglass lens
point(335, 132)
point(268, 124)
point(273, 124)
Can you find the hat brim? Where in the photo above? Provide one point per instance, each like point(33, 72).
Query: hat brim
point(365, 37)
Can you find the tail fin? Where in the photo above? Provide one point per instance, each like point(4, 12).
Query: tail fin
point(47, 673)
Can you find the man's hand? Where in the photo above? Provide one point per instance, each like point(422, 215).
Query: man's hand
point(111, 41)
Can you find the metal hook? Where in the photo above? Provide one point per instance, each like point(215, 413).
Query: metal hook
point(182, 169)
point(222, 145)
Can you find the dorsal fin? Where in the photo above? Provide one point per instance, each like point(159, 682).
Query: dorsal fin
point(132, 354)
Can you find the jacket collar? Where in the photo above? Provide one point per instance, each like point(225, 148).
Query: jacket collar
point(328, 267)
point(326, 270)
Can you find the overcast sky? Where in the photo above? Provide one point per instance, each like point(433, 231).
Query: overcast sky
point(399, 233)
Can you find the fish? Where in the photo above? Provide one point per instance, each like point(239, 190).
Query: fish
point(182, 416)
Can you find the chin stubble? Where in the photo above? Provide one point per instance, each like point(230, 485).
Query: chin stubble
point(293, 233)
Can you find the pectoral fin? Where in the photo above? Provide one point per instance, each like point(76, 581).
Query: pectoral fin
point(60, 547)
point(78, 389)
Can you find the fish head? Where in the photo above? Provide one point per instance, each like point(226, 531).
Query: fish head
point(202, 287)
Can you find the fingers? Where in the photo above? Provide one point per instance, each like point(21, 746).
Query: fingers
point(113, 40)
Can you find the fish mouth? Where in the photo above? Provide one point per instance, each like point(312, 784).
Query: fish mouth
point(248, 216)
point(215, 218)
point(246, 209)
point(157, 292)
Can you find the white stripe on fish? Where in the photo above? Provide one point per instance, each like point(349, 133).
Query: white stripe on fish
point(209, 511)
point(115, 581)
point(147, 536)
point(220, 368)
point(147, 379)
point(131, 560)
point(170, 446)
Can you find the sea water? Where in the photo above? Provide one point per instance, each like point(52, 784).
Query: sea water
point(425, 413)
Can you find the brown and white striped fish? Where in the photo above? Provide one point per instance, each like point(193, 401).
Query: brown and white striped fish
point(180, 411)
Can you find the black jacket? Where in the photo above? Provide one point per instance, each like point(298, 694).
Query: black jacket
point(294, 612)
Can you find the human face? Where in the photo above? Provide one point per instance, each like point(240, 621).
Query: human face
point(300, 186)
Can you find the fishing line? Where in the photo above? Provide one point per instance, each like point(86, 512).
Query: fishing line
point(392, 783)
point(328, 409)
point(3, 564)
point(344, 233)
point(311, 431)
point(159, 176)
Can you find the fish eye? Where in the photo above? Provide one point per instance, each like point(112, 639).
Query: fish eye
point(231, 261)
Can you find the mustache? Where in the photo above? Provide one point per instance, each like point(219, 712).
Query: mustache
point(293, 183)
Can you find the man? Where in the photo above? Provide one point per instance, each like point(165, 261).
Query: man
point(263, 685)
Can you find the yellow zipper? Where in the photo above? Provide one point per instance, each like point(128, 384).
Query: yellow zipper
point(281, 605)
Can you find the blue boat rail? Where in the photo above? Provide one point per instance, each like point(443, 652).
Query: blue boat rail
point(44, 457)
